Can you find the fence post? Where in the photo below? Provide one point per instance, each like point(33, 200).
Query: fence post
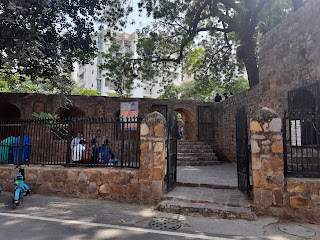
point(284, 139)
point(69, 143)
point(21, 144)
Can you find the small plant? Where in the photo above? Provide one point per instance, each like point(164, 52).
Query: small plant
point(43, 115)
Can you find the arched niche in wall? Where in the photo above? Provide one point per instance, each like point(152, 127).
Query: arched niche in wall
point(9, 111)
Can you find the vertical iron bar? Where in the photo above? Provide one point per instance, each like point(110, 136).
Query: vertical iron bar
point(21, 144)
point(122, 140)
point(69, 122)
point(284, 139)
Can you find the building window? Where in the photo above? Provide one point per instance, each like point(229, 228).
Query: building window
point(99, 86)
point(92, 71)
point(100, 41)
point(98, 73)
point(99, 60)
point(127, 45)
point(81, 67)
point(81, 78)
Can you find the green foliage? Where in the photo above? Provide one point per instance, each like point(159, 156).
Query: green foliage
point(207, 92)
point(85, 92)
point(122, 69)
point(119, 68)
point(227, 33)
point(43, 38)
point(43, 115)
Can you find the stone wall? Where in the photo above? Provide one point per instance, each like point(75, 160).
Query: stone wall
point(289, 57)
point(143, 185)
point(101, 107)
point(272, 193)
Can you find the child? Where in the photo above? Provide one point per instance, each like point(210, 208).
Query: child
point(78, 151)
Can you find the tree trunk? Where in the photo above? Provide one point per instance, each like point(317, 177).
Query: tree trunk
point(247, 54)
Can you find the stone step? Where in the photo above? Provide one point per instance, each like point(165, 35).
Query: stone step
point(195, 155)
point(195, 159)
point(226, 203)
point(206, 210)
point(224, 197)
point(181, 143)
point(189, 150)
point(195, 147)
point(198, 163)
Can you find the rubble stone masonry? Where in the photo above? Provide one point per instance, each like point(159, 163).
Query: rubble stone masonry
point(272, 193)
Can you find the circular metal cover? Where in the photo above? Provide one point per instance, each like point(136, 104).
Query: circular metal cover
point(296, 230)
point(165, 224)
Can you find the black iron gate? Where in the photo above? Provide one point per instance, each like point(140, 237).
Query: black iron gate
point(205, 123)
point(172, 145)
point(243, 152)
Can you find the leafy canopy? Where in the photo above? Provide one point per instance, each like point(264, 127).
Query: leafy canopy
point(42, 38)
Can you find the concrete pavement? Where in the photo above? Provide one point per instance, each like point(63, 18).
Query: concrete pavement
point(47, 217)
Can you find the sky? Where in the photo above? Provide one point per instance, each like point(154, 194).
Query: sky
point(140, 21)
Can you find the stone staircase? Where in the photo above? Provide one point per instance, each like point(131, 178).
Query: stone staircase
point(196, 153)
point(207, 202)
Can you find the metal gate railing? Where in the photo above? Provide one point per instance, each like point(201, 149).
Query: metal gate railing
point(72, 142)
point(301, 144)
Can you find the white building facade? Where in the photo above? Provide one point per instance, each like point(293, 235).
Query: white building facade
point(90, 76)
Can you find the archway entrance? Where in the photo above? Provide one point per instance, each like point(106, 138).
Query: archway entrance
point(185, 123)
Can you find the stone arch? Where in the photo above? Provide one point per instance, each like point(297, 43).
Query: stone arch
point(187, 123)
point(9, 111)
point(71, 111)
point(39, 107)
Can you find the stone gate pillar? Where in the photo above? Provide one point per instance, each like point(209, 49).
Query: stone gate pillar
point(153, 135)
point(267, 160)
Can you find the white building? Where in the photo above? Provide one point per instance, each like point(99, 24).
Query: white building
point(91, 77)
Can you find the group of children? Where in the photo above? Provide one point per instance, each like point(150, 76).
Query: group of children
point(98, 151)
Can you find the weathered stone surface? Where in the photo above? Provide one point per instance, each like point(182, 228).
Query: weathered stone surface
point(296, 187)
point(262, 197)
point(272, 164)
point(258, 137)
point(254, 147)
point(158, 147)
point(82, 177)
point(159, 130)
point(275, 125)
point(298, 201)
point(92, 187)
point(158, 173)
point(315, 187)
point(255, 126)
point(277, 197)
point(256, 163)
point(277, 147)
point(144, 129)
point(257, 179)
point(104, 189)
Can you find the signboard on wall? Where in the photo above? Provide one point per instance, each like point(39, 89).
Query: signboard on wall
point(127, 110)
point(295, 128)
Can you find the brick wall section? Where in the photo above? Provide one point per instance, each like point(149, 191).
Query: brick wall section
point(288, 58)
point(144, 185)
point(273, 194)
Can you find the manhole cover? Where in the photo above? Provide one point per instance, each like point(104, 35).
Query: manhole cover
point(296, 230)
point(165, 224)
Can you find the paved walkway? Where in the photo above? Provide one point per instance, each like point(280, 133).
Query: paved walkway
point(222, 175)
point(45, 217)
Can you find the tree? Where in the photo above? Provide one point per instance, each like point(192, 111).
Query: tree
point(43, 38)
point(207, 92)
point(229, 30)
